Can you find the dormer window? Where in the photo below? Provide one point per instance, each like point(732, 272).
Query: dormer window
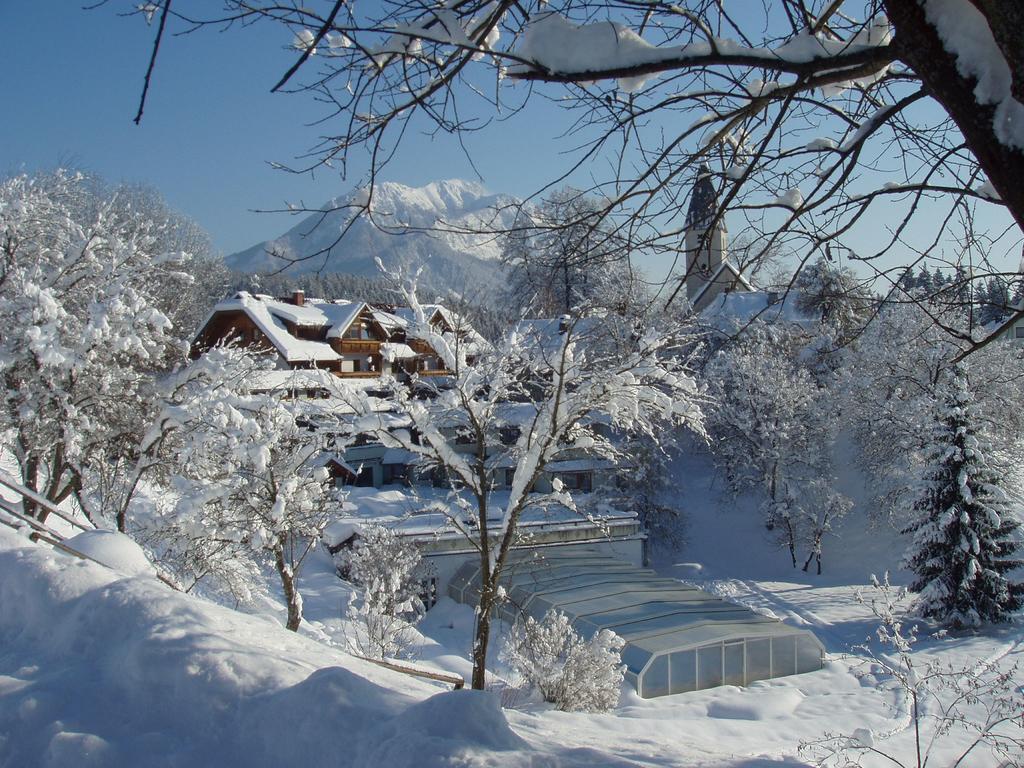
point(360, 331)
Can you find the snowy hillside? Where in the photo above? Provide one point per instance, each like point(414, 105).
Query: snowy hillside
point(98, 669)
point(397, 234)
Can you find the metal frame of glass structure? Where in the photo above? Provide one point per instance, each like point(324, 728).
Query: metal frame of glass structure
point(677, 638)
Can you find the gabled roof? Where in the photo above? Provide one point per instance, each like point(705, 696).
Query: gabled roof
point(430, 312)
point(269, 315)
point(273, 316)
point(545, 334)
point(730, 311)
point(1010, 322)
point(725, 266)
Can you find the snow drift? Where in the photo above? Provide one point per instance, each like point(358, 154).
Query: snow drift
point(101, 670)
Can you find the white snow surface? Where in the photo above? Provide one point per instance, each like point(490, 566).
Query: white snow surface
point(100, 670)
point(114, 550)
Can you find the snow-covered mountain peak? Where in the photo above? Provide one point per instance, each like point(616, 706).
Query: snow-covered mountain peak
point(423, 206)
point(448, 226)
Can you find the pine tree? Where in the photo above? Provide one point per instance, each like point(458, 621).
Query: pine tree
point(964, 532)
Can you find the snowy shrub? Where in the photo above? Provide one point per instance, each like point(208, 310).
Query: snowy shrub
point(568, 671)
point(387, 568)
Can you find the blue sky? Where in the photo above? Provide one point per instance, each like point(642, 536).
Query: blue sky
point(212, 127)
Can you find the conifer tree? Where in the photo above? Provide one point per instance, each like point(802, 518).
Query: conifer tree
point(964, 541)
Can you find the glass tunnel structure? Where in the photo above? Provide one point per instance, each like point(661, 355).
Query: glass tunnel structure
point(677, 638)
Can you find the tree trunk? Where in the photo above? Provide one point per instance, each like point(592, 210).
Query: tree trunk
point(291, 591)
point(791, 540)
point(30, 477)
point(920, 47)
point(482, 637)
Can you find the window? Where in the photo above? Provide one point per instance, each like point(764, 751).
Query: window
point(577, 481)
point(396, 474)
point(656, 678)
point(783, 656)
point(734, 663)
point(359, 331)
point(759, 660)
point(808, 655)
point(709, 666)
point(509, 434)
point(684, 671)
point(1018, 332)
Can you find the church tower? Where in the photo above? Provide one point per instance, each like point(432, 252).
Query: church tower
point(706, 247)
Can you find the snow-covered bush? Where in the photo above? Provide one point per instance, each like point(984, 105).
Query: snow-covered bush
point(965, 529)
point(568, 671)
point(389, 571)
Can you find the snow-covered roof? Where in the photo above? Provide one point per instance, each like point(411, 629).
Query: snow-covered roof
point(332, 457)
point(545, 334)
point(295, 378)
point(269, 315)
point(725, 266)
point(580, 465)
point(398, 456)
point(391, 351)
point(428, 511)
point(734, 309)
point(407, 316)
point(472, 341)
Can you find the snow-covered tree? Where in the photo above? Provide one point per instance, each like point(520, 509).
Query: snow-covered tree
point(964, 542)
point(561, 259)
point(772, 429)
point(573, 673)
point(81, 275)
point(554, 387)
point(820, 508)
point(834, 295)
point(239, 464)
point(387, 570)
point(818, 114)
point(887, 383)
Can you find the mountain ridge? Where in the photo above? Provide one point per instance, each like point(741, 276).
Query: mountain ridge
point(402, 232)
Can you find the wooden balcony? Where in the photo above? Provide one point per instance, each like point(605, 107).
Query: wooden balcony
point(357, 374)
point(361, 347)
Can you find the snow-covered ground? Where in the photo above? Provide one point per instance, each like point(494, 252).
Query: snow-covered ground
point(100, 669)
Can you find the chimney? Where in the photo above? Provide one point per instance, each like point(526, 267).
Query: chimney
point(299, 298)
point(563, 324)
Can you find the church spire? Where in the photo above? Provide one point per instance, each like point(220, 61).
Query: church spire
point(703, 202)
